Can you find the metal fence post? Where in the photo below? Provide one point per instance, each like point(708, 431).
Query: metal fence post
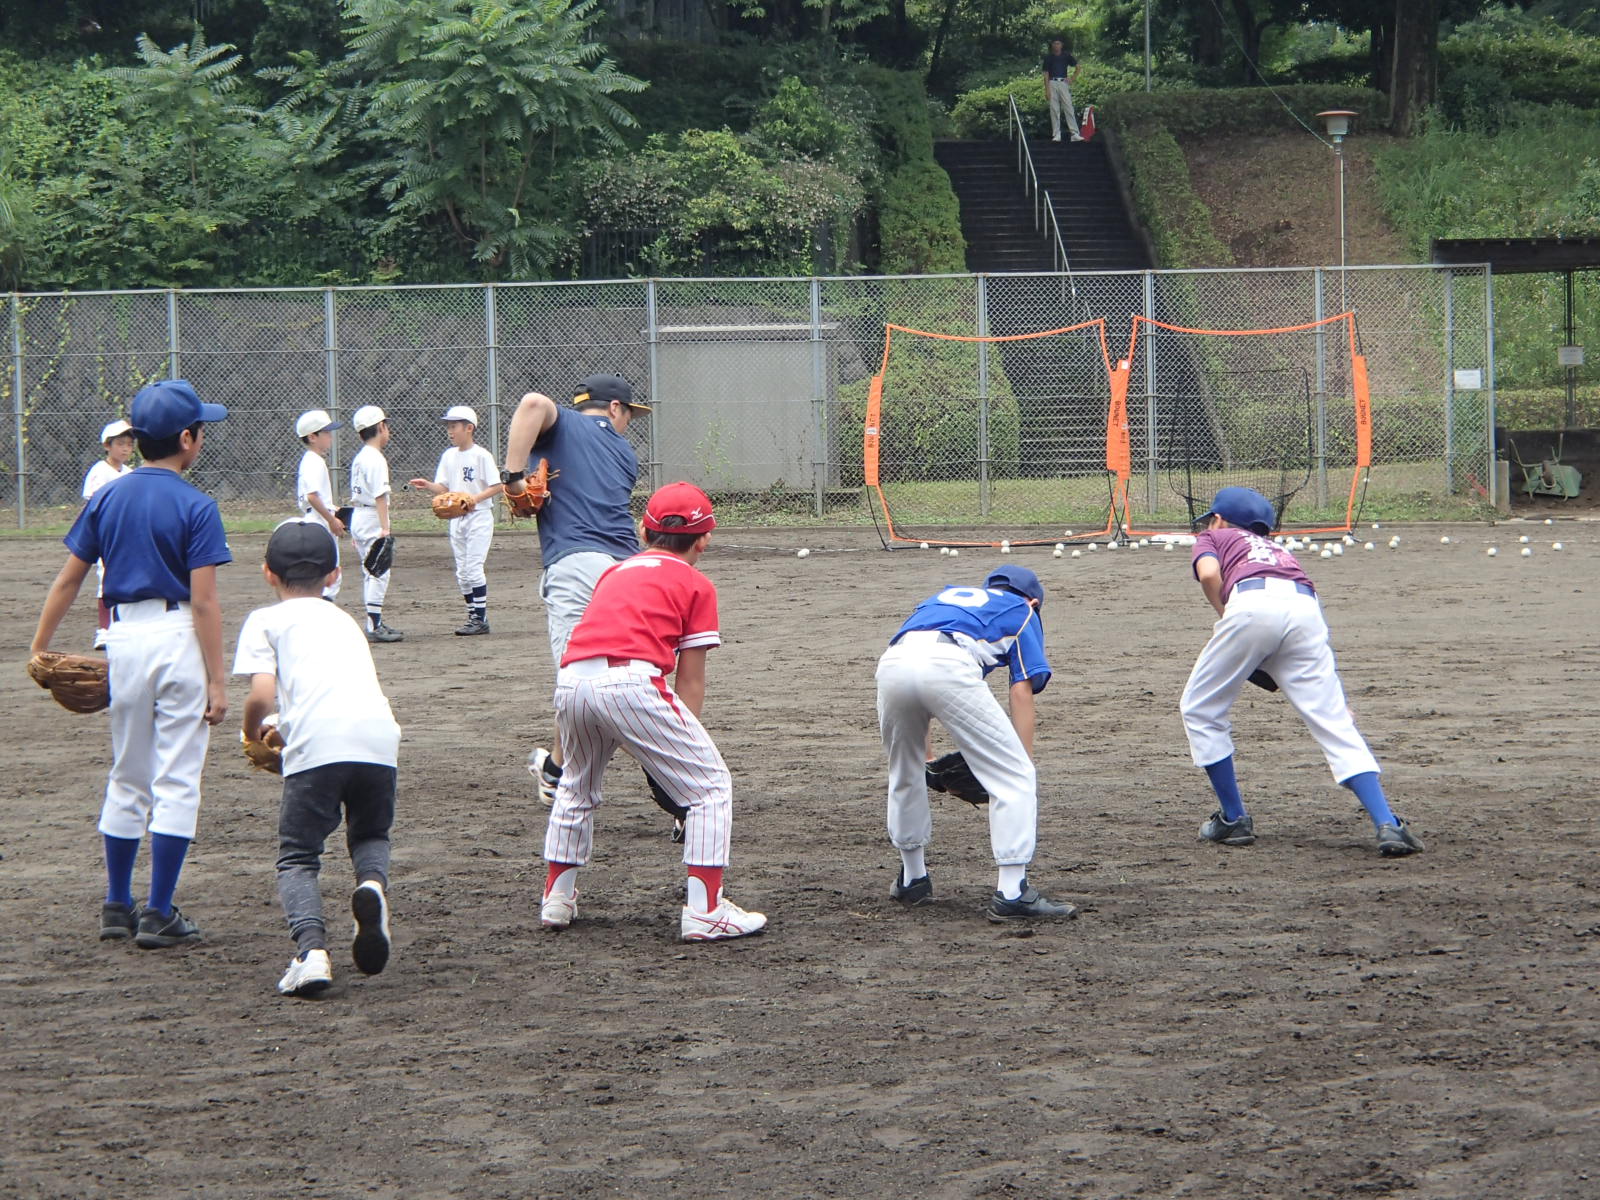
point(1321, 389)
point(16, 411)
point(172, 334)
point(1488, 342)
point(653, 339)
point(491, 374)
point(819, 400)
point(330, 360)
point(983, 396)
point(1449, 381)
point(1150, 433)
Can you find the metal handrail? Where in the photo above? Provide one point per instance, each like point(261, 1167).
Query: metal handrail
point(1044, 210)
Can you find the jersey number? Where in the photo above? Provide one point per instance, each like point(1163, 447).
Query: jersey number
point(965, 597)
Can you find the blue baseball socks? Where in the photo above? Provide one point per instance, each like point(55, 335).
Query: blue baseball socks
point(1370, 792)
point(1226, 786)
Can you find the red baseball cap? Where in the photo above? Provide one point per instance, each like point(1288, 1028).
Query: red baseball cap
point(684, 500)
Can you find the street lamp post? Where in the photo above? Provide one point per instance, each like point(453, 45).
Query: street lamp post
point(1337, 122)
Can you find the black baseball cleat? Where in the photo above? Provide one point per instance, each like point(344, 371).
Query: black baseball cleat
point(473, 627)
point(118, 922)
point(159, 931)
point(1031, 905)
point(1217, 828)
point(382, 633)
point(1394, 841)
point(917, 892)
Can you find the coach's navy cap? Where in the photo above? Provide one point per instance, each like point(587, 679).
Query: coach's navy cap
point(164, 408)
point(603, 389)
point(1019, 580)
point(299, 551)
point(1244, 507)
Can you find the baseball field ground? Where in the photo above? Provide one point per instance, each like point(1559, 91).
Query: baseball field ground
point(1298, 1018)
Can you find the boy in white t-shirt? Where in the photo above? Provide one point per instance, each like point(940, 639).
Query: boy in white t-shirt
point(468, 468)
point(369, 496)
point(313, 488)
point(307, 659)
point(117, 438)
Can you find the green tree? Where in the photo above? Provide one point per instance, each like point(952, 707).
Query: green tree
point(476, 105)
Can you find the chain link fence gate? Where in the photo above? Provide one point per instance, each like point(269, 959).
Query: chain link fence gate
point(758, 386)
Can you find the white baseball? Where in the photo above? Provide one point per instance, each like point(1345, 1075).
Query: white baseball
point(1555, 545)
point(924, 545)
point(1094, 546)
point(1111, 545)
point(802, 552)
point(954, 553)
point(1548, 521)
point(1077, 553)
point(944, 549)
point(1055, 553)
point(1326, 554)
point(1491, 552)
point(1368, 546)
point(1061, 545)
point(1444, 541)
point(1527, 552)
point(1005, 547)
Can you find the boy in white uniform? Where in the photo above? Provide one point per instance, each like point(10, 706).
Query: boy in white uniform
point(470, 469)
point(369, 494)
point(313, 489)
point(307, 659)
point(117, 438)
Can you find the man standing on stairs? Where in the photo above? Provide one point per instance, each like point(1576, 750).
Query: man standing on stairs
point(1058, 89)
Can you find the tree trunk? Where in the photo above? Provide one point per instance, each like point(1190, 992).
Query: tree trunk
point(938, 42)
point(1382, 52)
point(1208, 40)
point(1250, 39)
point(1416, 62)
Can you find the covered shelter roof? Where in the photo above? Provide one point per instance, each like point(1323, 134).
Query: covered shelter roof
point(1520, 256)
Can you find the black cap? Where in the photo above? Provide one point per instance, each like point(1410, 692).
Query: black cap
point(606, 389)
point(300, 551)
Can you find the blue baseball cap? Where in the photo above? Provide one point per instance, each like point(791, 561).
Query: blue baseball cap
point(1244, 507)
point(1019, 580)
point(168, 406)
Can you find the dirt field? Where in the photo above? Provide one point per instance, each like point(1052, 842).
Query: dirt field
point(1300, 1018)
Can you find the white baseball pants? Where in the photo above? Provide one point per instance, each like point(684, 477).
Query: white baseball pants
point(920, 678)
point(601, 707)
point(158, 730)
point(1061, 103)
point(566, 588)
point(365, 529)
point(1282, 630)
point(470, 537)
point(332, 592)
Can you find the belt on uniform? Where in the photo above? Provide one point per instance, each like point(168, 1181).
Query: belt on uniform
point(117, 614)
point(935, 635)
point(1058, 79)
point(590, 668)
point(1257, 583)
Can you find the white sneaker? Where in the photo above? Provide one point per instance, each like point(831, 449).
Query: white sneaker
point(728, 920)
point(541, 768)
point(558, 909)
point(370, 947)
point(309, 974)
point(99, 639)
point(1077, 137)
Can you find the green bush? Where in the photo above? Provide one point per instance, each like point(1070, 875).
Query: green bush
point(1526, 59)
point(900, 119)
point(919, 223)
point(985, 113)
point(1164, 197)
point(1242, 110)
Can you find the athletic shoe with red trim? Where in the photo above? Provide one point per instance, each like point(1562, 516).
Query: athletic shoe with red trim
point(727, 920)
point(558, 910)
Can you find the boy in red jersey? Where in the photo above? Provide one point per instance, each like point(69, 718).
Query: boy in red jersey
point(651, 615)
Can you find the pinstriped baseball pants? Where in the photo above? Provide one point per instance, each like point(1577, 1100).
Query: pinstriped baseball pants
point(601, 708)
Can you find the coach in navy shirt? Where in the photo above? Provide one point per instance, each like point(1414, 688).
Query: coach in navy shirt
point(1060, 70)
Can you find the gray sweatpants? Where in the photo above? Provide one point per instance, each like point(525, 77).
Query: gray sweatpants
point(313, 803)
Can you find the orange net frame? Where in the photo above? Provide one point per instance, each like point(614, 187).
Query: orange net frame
point(977, 440)
point(1284, 410)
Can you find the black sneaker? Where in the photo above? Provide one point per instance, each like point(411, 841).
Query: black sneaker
point(118, 922)
point(1228, 833)
point(382, 633)
point(1030, 906)
point(370, 947)
point(1394, 841)
point(158, 931)
point(917, 892)
point(474, 626)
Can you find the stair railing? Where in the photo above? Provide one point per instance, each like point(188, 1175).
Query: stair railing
point(1044, 211)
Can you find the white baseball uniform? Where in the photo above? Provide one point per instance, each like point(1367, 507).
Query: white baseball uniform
point(369, 480)
point(934, 668)
point(99, 475)
point(470, 470)
point(611, 691)
point(1271, 620)
point(314, 479)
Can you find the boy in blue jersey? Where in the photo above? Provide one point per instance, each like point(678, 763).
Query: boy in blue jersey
point(934, 668)
point(585, 526)
point(161, 540)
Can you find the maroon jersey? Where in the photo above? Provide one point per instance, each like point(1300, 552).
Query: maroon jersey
point(1242, 555)
point(647, 607)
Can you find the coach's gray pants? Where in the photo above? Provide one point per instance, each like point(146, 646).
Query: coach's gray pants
point(313, 802)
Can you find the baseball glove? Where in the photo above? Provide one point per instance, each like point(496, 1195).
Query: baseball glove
point(950, 774)
point(380, 556)
point(667, 805)
point(267, 753)
point(80, 683)
point(447, 506)
point(1262, 680)
point(536, 491)
point(345, 513)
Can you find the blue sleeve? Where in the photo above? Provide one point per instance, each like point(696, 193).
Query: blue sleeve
point(208, 543)
point(1027, 660)
point(83, 539)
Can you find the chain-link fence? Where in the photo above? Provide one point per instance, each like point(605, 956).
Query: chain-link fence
point(758, 386)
